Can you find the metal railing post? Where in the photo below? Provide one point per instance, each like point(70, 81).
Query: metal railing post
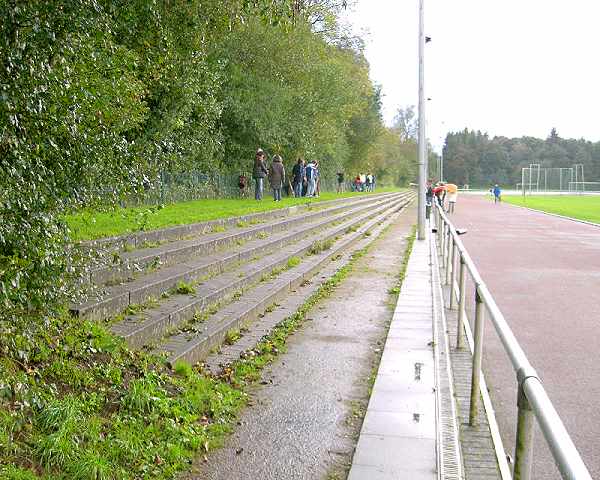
point(462, 277)
point(453, 275)
point(477, 356)
point(442, 237)
point(442, 231)
point(525, 431)
point(449, 251)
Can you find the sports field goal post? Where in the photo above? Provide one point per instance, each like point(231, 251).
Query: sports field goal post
point(530, 178)
point(536, 179)
point(584, 187)
point(578, 186)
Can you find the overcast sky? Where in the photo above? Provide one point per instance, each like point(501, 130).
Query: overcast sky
point(507, 67)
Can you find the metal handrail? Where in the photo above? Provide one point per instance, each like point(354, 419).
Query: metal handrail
point(532, 397)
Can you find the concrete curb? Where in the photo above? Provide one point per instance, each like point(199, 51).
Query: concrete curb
point(398, 438)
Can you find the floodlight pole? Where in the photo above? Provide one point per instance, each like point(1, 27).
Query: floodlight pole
point(422, 145)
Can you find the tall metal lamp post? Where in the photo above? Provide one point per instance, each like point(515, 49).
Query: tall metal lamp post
point(422, 140)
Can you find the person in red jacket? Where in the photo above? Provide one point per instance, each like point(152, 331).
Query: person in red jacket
point(440, 192)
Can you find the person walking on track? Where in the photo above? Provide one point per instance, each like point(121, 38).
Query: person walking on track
point(497, 194)
point(259, 173)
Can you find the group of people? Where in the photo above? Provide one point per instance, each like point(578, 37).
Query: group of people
point(442, 191)
point(364, 183)
point(304, 182)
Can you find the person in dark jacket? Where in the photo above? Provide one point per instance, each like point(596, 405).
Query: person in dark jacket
point(318, 180)
point(276, 177)
point(259, 173)
point(298, 177)
point(340, 182)
point(429, 192)
point(428, 198)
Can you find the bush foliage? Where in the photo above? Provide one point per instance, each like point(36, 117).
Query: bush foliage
point(99, 97)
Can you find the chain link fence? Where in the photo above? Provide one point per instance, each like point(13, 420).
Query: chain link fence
point(182, 187)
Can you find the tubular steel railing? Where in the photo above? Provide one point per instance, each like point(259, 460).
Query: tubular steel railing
point(533, 401)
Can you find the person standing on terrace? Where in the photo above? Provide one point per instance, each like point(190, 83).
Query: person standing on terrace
point(259, 173)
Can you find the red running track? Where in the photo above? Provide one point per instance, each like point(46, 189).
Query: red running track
point(544, 273)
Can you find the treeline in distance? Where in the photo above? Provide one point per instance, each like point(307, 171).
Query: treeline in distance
point(475, 159)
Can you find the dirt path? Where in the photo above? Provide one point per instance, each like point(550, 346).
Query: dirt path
point(544, 273)
point(303, 422)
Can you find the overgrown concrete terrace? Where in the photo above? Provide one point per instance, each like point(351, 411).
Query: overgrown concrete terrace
point(212, 293)
point(199, 289)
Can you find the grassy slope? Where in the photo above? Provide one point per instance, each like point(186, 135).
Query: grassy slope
point(582, 207)
point(75, 403)
point(91, 225)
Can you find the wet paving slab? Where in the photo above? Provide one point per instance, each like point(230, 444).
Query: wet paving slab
point(398, 437)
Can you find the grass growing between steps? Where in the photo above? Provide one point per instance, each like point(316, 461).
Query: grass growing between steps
point(248, 369)
point(87, 225)
point(395, 290)
point(76, 403)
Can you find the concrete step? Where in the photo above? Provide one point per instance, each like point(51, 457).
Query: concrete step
point(179, 232)
point(197, 343)
point(117, 298)
point(255, 329)
point(146, 328)
point(125, 265)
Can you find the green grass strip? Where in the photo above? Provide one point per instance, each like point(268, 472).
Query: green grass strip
point(89, 225)
point(581, 207)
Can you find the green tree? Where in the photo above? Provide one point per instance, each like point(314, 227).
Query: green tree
point(98, 97)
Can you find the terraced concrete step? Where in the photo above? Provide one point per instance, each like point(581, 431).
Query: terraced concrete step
point(265, 321)
point(148, 327)
point(195, 346)
point(127, 264)
point(178, 232)
point(117, 298)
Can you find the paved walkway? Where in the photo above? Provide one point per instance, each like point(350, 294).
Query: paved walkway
point(398, 436)
point(544, 273)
